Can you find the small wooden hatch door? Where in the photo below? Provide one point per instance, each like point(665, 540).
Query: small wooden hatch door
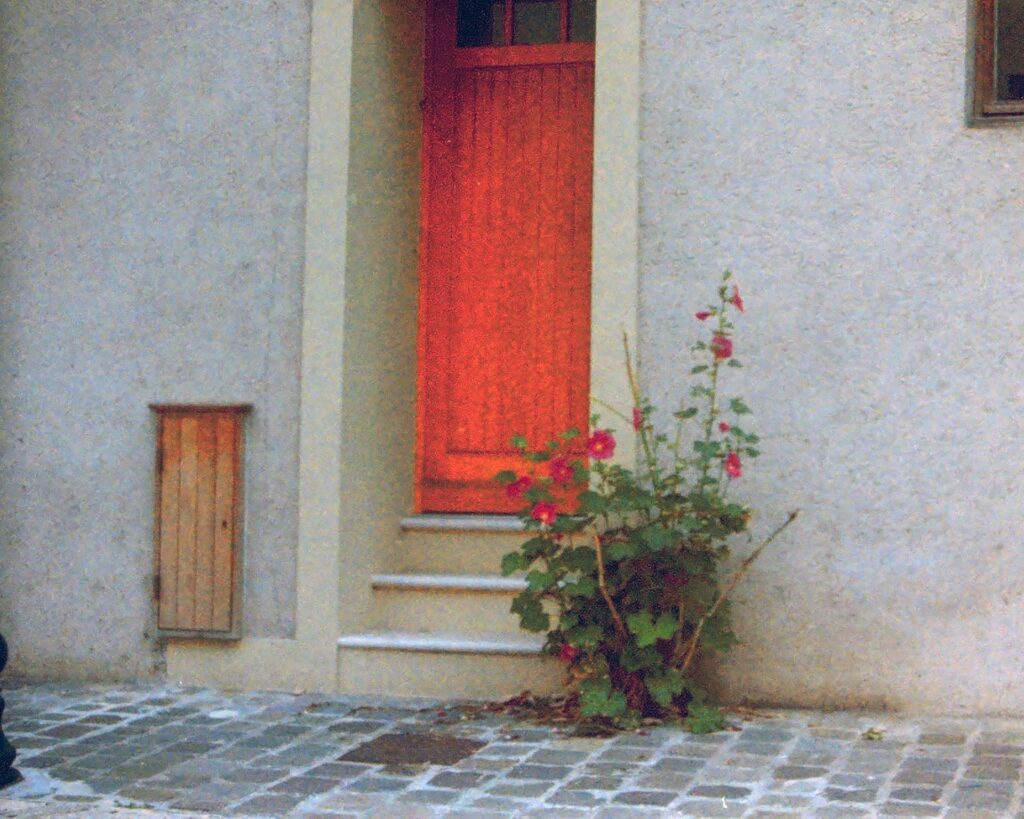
point(506, 234)
point(198, 520)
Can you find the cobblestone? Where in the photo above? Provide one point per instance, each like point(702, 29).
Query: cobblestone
point(158, 751)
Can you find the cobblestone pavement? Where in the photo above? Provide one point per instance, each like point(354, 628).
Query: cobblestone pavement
point(162, 751)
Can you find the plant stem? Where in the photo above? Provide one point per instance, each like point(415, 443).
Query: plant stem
point(603, 586)
point(634, 388)
point(691, 648)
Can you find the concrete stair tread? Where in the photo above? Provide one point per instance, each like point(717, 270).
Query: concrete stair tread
point(443, 642)
point(462, 523)
point(426, 581)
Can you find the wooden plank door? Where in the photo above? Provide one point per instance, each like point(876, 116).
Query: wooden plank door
point(199, 520)
point(505, 258)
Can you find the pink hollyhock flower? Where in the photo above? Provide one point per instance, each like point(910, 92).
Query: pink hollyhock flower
point(544, 512)
point(568, 653)
point(721, 346)
point(518, 487)
point(703, 315)
point(733, 467)
point(724, 427)
point(601, 445)
point(638, 418)
point(560, 469)
point(737, 302)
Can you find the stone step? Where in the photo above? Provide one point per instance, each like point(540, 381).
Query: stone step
point(468, 604)
point(456, 544)
point(445, 664)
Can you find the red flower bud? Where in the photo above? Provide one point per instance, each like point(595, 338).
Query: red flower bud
point(568, 653)
point(724, 427)
point(736, 301)
point(733, 467)
point(638, 418)
point(721, 346)
point(703, 315)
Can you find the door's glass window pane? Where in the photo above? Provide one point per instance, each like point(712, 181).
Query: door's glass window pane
point(481, 23)
point(1010, 50)
point(582, 21)
point(537, 22)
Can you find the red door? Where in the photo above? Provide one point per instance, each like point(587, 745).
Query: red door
point(505, 258)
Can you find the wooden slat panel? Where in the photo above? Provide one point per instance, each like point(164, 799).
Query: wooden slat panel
point(198, 508)
point(206, 453)
point(553, 53)
point(167, 528)
point(223, 570)
point(187, 503)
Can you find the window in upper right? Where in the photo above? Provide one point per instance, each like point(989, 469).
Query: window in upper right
point(999, 60)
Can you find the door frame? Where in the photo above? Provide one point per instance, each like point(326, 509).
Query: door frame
point(337, 552)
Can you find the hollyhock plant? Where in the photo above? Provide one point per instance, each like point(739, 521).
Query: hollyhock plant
point(622, 565)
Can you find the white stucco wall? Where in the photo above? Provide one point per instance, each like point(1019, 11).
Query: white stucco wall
point(820, 150)
point(151, 234)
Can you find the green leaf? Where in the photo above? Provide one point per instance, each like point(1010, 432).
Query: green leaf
point(519, 442)
point(709, 450)
point(620, 550)
point(591, 503)
point(569, 434)
point(717, 635)
point(658, 538)
point(511, 563)
point(734, 363)
point(540, 581)
point(703, 719)
point(700, 368)
point(534, 548)
point(586, 637)
point(506, 476)
point(532, 616)
point(646, 630)
point(689, 412)
point(665, 686)
point(701, 591)
point(751, 452)
point(598, 700)
point(581, 559)
point(634, 657)
point(586, 586)
point(738, 406)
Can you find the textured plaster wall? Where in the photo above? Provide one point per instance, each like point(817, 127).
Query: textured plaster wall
point(819, 149)
point(151, 233)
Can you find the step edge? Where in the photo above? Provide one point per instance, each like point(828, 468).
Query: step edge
point(425, 581)
point(462, 523)
point(440, 643)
